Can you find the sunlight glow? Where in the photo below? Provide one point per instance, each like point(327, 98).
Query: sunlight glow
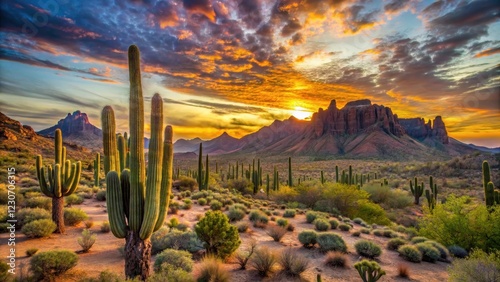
point(301, 113)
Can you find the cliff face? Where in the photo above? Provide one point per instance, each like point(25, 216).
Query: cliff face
point(13, 130)
point(77, 122)
point(418, 129)
point(355, 117)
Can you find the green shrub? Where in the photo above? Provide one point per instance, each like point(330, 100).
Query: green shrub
point(331, 242)
point(333, 223)
point(458, 252)
point(105, 228)
point(344, 227)
point(418, 239)
point(242, 226)
point(187, 204)
point(282, 222)
point(25, 216)
point(46, 265)
point(39, 202)
point(73, 199)
point(202, 201)
point(101, 195)
point(289, 213)
point(73, 216)
point(459, 221)
point(356, 234)
point(365, 230)
point(31, 251)
point(478, 267)
point(215, 205)
point(308, 238)
point(367, 249)
point(390, 234)
point(395, 243)
point(212, 269)
point(187, 183)
point(371, 212)
point(198, 195)
point(358, 220)
point(311, 216)
point(4, 272)
point(235, 214)
point(443, 251)
point(378, 232)
point(87, 240)
point(178, 259)
point(165, 238)
point(336, 259)
point(168, 273)
point(39, 228)
point(369, 271)
point(321, 224)
point(410, 253)
point(219, 236)
point(258, 216)
point(429, 252)
point(293, 263)
point(276, 232)
point(263, 260)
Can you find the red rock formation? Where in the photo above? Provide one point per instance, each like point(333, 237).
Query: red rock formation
point(73, 123)
point(355, 117)
point(418, 129)
point(12, 129)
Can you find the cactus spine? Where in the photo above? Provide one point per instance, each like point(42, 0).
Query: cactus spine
point(63, 180)
point(97, 169)
point(137, 205)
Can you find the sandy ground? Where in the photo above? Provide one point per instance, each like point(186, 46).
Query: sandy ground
point(105, 254)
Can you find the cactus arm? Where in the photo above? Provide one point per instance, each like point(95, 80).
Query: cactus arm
point(67, 182)
point(43, 184)
point(125, 185)
point(155, 159)
point(109, 139)
point(136, 126)
point(76, 179)
point(114, 202)
point(58, 147)
point(166, 181)
point(63, 161)
point(121, 152)
point(57, 181)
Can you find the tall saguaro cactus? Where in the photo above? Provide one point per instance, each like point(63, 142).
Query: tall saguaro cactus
point(97, 169)
point(63, 180)
point(416, 191)
point(137, 205)
point(290, 182)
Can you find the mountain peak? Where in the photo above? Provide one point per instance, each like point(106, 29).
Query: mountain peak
point(358, 103)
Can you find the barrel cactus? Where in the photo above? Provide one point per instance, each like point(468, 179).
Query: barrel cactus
point(137, 205)
point(63, 179)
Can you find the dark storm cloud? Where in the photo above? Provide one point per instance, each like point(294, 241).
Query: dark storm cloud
point(474, 13)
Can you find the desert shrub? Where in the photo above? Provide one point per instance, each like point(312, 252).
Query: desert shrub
point(429, 252)
point(215, 205)
point(242, 257)
point(457, 251)
point(365, 230)
point(461, 222)
point(284, 195)
point(87, 240)
point(308, 192)
point(259, 218)
point(370, 212)
point(276, 232)
point(343, 198)
point(390, 234)
point(202, 201)
point(292, 262)
point(187, 204)
point(73, 199)
point(403, 270)
point(242, 226)
point(219, 236)
point(31, 251)
point(46, 265)
point(282, 222)
point(344, 227)
point(410, 253)
point(358, 220)
point(311, 216)
point(378, 232)
point(187, 183)
point(73, 216)
point(165, 238)
point(395, 243)
point(242, 185)
point(356, 233)
point(39, 228)
point(418, 239)
point(263, 260)
point(308, 238)
point(175, 258)
point(168, 273)
point(289, 213)
point(25, 216)
point(334, 223)
point(478, 267)
point(104, 276)
point(369, 270)
point(321, 224)
point(235, 214)
point(331, 242)
point(290, 227)
point(105, 228)
point(4, 274)
point(39, 202)
point(173, 223)
point(212, 269)
point(199, 195)
point(336, 259)
point(101, 195)
point(443, 251)
point(367, 249)
point(88, 223)
point(399, 199)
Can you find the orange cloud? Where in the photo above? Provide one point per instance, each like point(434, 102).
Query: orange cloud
point(488, 52)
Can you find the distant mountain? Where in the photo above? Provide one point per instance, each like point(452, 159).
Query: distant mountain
point(359, 130)
point(485, 149)
point(187, 145)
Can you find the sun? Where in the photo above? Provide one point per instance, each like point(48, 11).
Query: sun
point(301, 113)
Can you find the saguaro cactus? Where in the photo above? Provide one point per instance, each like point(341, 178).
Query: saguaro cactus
point(97, 169)
point(137, 205)
point(416, 191)
point(63, 180)
point(290, 182)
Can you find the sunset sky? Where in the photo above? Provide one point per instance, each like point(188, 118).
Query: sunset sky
point(237, 65)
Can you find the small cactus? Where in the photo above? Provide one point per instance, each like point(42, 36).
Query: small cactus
point(369, 271)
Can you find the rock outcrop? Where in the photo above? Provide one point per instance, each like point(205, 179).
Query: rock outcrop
point(417, 128)
point(355, 117)
point(13, 130)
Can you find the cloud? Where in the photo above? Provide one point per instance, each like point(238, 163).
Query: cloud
point(203, 7)
point(488, 52)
